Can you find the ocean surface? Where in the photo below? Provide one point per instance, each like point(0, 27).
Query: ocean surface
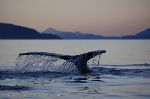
point(123, 72)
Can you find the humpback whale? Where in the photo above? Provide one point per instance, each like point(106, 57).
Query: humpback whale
point(80, 61)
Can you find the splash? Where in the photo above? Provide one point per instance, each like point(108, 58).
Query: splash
point(34, 63)
point(39, 61)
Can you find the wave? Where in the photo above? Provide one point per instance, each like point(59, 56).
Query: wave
point(95, 70)
point(6, 87)
point(122, 71)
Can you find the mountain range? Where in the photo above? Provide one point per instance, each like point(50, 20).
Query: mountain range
point(10, 31)
point(78, 35)
point(141, 35)
point(72, 35)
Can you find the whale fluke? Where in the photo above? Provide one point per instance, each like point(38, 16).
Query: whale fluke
point(80, 61)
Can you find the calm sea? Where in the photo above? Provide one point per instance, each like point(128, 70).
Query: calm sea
point(124, 71)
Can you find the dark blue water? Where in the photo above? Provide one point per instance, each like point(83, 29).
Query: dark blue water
point(104, 81)
point(124, 71)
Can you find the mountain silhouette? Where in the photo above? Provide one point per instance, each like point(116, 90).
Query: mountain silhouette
point(78, 35)
point(52, 31)
point(10, 31)
point(141, 35)
point(72, 35)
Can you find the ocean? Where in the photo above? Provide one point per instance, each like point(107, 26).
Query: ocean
point(123, 72)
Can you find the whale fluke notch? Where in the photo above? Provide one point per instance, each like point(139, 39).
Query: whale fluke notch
point(80, 61)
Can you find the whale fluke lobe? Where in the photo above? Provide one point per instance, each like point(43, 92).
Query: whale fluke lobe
point(31, 61)
point(80, 61)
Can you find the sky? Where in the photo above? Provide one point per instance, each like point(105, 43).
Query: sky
point(102, 17)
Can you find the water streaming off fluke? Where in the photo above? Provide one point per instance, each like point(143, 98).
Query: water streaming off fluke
point(42, 61)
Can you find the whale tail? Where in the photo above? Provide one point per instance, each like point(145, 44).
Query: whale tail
point(80, 61)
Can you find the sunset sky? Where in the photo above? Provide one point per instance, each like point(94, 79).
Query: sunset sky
point(103, 17)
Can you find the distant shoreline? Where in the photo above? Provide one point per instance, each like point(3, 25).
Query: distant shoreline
point(11, 32)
